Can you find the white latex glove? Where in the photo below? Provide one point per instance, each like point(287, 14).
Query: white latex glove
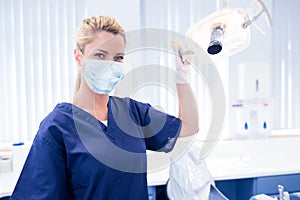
point(183, 65)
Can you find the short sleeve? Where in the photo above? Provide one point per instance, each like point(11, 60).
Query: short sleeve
point(44, 175)
point(161, 130)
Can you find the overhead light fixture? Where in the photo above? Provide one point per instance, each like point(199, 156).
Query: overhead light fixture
point(216, 38)
point(225, 32)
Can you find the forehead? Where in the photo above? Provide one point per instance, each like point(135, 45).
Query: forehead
point(106, 41)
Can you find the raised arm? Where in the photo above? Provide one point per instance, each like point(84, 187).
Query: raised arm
point(188, 109)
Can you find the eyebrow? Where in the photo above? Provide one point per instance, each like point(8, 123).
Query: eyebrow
point(103, 51)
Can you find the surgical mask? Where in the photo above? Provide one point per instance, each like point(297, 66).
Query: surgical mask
point(102, 76)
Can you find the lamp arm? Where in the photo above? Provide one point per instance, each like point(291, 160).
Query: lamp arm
point(221, 4)
point(266, 12)
point(263, 10)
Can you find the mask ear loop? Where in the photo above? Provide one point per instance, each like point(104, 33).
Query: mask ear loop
point(79, 73)
point(81, 53)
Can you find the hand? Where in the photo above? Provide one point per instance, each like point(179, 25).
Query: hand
point(183, 58)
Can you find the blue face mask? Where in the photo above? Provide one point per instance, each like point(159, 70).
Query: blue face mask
point(102, 76)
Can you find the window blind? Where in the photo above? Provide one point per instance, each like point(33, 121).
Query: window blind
point(37, 69)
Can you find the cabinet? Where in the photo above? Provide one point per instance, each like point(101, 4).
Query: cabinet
point(243, 189)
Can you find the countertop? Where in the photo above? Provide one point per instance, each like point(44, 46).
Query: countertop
point(229, 159)
point(235, 159)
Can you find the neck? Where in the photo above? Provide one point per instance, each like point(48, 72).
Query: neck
point(95, 104)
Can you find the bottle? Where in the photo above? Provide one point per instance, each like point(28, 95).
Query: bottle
point(19, 156)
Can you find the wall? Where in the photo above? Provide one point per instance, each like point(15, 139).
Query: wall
point(269, 49)
point(126, 12)
point(260, 48)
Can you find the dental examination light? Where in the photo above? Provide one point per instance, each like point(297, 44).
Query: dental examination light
point(225, 32)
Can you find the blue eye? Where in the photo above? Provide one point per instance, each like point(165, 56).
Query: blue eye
point(119, 58)
point(120, 76)
point(99, 55)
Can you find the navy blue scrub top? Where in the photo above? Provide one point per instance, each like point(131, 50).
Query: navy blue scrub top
point(75, 156)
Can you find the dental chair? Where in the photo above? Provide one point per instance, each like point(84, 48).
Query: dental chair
point(190, 178)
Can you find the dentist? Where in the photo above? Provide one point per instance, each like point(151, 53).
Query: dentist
point(95, 146)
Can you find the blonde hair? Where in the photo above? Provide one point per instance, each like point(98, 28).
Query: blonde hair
point(87, 31)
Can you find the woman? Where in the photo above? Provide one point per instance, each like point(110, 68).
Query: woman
point(95, 146)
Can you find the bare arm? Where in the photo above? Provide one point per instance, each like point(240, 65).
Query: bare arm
point(188, 110)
